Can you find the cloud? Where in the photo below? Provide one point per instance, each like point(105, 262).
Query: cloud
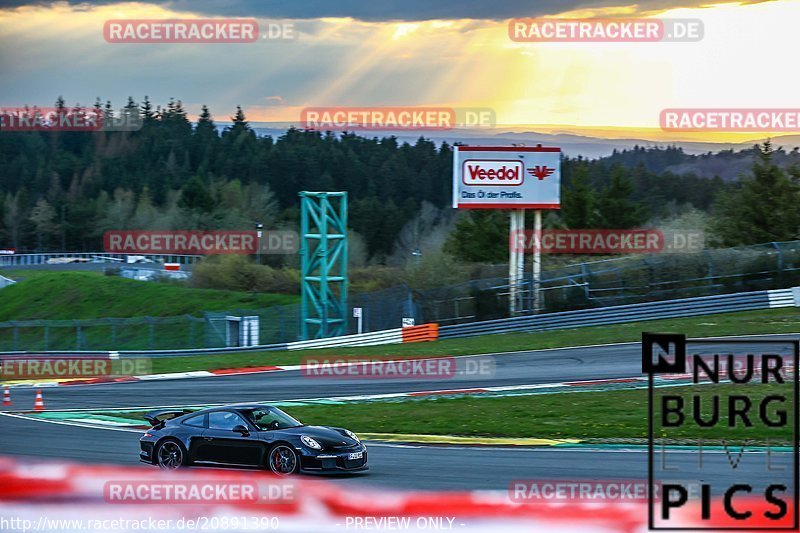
point(391, 10)
point(274, 100)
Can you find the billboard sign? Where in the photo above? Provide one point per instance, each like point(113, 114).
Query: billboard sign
point(506, 177)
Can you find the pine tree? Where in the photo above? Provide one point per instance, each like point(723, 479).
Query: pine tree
point(579, 204)
point(148, 115)
point(239, 120)
point(195, 196)
point(617, 209)
point(764, 208)
point(12, 218)
point(204, 141)
point(480, 236)
point(43, 217)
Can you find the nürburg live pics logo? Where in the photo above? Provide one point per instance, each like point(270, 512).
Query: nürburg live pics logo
point(722, 433)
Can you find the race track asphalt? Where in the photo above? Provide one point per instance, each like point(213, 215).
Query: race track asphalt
point(521, 368)
point(510, 369)
point(396, 466)
point(406, 467)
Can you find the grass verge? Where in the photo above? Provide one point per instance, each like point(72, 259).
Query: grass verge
point(77, 295)
point(595, 415)
point(591, 415)
point(785, 320)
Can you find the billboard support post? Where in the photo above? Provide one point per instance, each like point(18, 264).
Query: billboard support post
point(536, 284)
point(516, 260)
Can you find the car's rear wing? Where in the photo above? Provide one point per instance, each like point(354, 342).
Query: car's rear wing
point(157, 418)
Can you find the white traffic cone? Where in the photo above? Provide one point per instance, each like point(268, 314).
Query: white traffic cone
point(38, 405)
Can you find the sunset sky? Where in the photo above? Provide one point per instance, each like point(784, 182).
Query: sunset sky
point(391, 53)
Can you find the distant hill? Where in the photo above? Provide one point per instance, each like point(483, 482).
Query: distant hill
point(705, 159)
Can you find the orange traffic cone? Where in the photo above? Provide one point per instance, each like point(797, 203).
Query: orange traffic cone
point(7, 397)
point(38, 405)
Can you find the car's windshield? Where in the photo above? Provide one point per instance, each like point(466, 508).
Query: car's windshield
point(266, 418)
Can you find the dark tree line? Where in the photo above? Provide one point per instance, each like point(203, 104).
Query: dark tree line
point(62, 190)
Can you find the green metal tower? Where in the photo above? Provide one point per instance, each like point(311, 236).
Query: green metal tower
point(323, 256)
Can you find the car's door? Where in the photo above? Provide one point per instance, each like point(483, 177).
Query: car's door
point(221, 444)
point(193, 427)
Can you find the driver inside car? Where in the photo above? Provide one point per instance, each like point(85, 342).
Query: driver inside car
point(264, 419)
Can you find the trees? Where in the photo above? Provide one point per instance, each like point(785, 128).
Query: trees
point(171, 174)
point(425, 233)
point(616, 207)
point(238, 150)
point(204, 141)
point(115, 213)
point(480, 235)
point(12, 218)
point(43, 217)
point(579, 207)
point(763, 208)
point(196, 197)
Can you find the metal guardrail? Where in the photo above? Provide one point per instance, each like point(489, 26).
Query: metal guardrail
point(65, 258)
point(705, 305)
point(389, 336)
point(685, 307)
point(149, 353)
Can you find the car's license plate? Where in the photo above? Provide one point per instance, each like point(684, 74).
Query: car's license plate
point(357, 455)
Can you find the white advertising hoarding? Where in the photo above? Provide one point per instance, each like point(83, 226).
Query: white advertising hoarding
point(506, 177)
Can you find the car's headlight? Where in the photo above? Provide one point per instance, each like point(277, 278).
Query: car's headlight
point(352, 435)
point(311, 443)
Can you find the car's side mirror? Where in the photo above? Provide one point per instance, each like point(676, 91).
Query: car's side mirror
point(241, 430)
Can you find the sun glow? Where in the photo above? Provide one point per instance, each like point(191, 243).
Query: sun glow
point(744, 60)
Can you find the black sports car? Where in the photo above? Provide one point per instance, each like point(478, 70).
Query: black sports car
point(248, 435)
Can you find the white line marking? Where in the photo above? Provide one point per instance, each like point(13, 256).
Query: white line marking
point(293, 368)
point(78, 424)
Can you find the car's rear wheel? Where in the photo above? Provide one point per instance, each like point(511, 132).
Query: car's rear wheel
point(170, 455)
point(283, 460)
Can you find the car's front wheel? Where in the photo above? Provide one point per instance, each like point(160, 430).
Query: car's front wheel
point(283, 460)
point(170, 455)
